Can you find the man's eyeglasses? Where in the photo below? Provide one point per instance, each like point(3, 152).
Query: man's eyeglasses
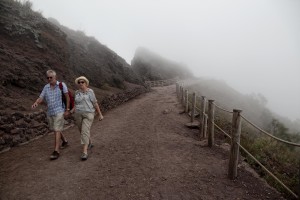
point(80, 82)
point(49, 77)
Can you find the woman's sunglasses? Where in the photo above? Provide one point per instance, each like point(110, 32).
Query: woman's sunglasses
point(80, 82)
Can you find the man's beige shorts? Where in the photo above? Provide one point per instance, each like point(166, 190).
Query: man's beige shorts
point(56, 123)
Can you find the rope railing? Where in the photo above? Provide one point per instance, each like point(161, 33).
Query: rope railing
point(198, 108)
point(268, 134)
point(234, 136)
point(199, 98)
point(223, 109)
point(161, 83)
point(259, 163)
point(270, 173)
point(222, 130)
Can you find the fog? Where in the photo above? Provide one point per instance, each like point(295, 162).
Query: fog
point(253, 45)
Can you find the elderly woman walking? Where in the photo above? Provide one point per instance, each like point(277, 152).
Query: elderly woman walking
point(84, 109)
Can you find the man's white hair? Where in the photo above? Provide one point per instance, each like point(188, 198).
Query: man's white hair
point(51, 72)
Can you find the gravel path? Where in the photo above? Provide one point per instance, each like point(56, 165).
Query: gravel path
point(142, 151)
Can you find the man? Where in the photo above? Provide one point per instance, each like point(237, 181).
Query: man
point(56, 111)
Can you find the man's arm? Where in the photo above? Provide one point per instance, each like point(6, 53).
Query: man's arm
point(37, 102)
point(67, 101)
point(65, 91)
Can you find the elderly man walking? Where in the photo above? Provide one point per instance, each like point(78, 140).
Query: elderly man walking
point(52, 95)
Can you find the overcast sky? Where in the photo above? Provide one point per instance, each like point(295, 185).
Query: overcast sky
point(254, 45)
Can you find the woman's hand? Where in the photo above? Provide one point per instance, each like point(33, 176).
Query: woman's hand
point(34, 105)
point(100, 116)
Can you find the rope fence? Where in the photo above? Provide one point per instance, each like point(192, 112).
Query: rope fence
point(270, 173)
point(207, 124)
point(270, 135)
point(161, 83)
point(223, 109)
point(222, 131)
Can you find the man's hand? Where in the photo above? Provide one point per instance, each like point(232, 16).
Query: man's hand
point(66, 113)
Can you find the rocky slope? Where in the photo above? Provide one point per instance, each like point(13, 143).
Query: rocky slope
point(31, 44)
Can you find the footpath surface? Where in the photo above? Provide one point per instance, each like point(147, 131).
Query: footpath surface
point(142, 151)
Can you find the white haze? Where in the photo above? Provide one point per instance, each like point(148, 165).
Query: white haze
point(253, 45)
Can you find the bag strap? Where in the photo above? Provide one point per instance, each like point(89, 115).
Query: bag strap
point(60, 86)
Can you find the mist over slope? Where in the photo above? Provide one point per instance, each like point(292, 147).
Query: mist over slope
point(89, 57)
point(253, 106)
point(151, 66)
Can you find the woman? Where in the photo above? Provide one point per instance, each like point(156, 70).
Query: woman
point(85, 107)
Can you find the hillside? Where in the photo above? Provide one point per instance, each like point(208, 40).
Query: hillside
point(30, 45)
point(253, 105)
point(151, 66)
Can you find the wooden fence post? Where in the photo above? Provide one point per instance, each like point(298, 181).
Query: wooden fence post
point(193, 107)
point(202, 111)
point(299, 182)
point(180, 93)
point(186, 101)
point(211, 118)
point(205, 126)
point(182, 96)
point(235, 139)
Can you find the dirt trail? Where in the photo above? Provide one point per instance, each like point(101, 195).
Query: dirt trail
point(140, 152)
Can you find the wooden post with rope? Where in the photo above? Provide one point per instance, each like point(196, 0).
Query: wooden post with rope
point(186, 101)
point(211, 118)
point(193, 107)
point(202, 112)
point(205, 126)
point(182, 95)
point(298, 188)
point(235, 140)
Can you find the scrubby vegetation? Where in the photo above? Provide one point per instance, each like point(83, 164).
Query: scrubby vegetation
point(279, 158)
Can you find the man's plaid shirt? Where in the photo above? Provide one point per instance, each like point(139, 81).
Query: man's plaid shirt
point(53, 98)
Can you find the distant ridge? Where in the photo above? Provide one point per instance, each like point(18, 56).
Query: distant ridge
point(151, 66)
